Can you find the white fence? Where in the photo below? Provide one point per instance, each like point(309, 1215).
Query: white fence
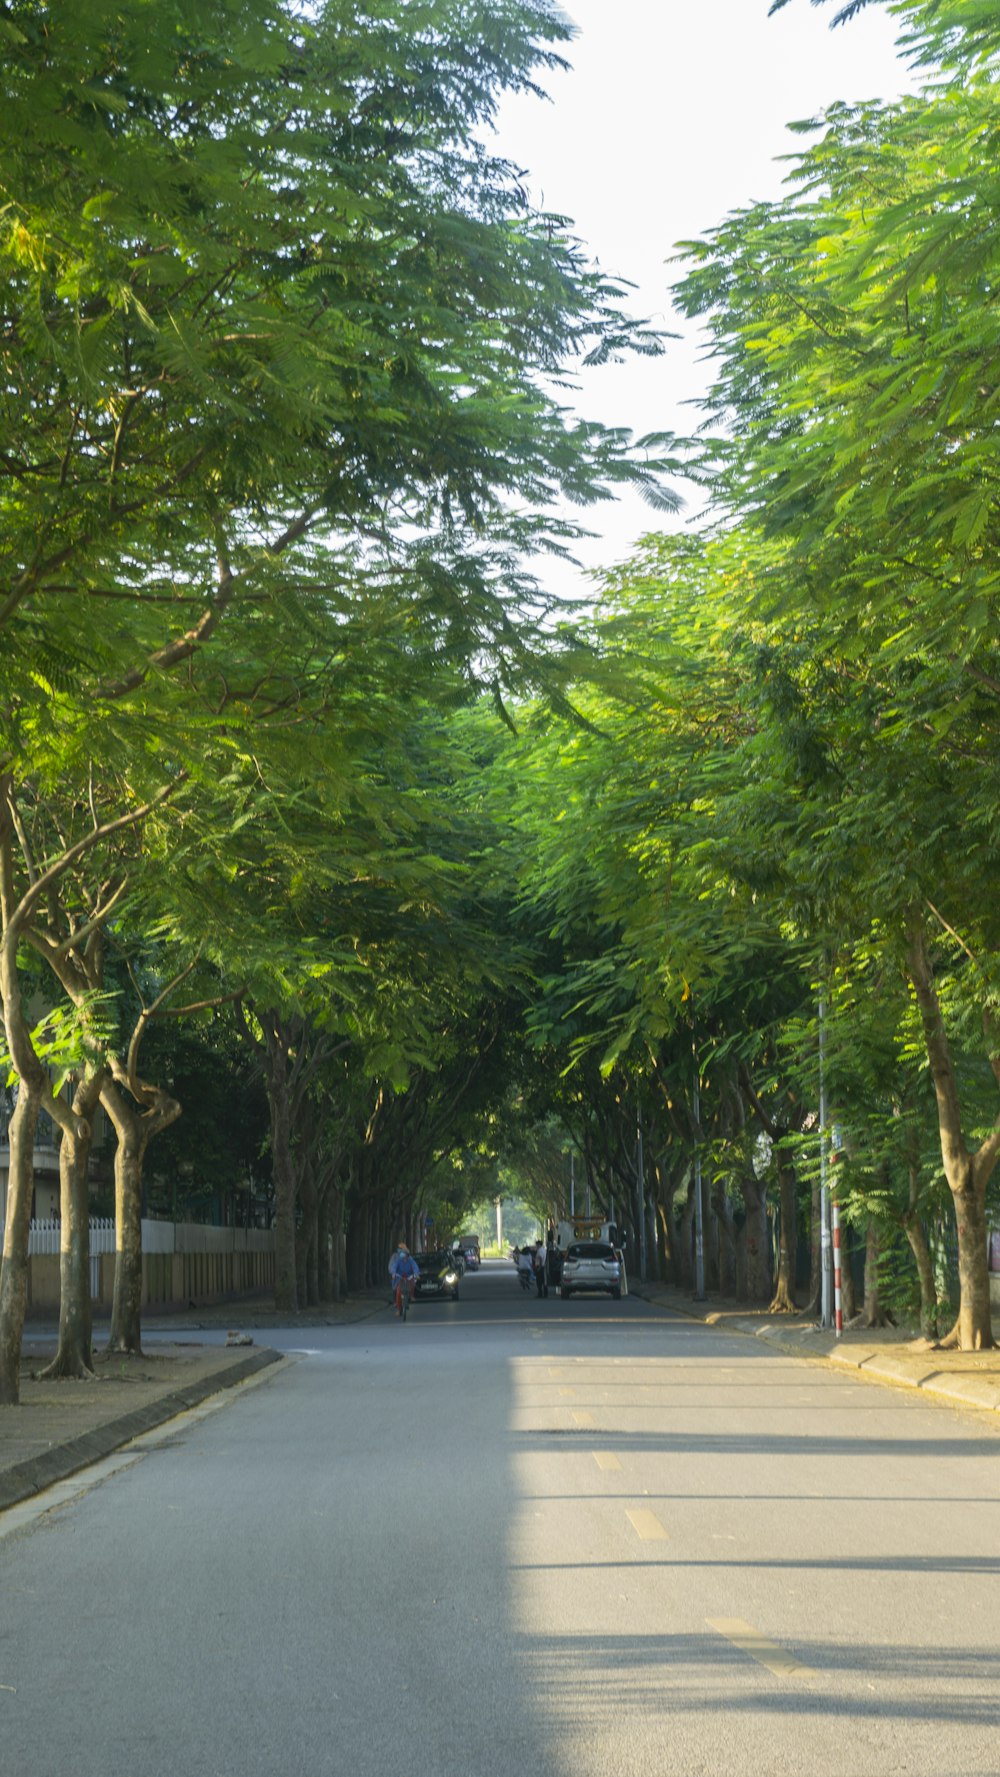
point(157, 1237)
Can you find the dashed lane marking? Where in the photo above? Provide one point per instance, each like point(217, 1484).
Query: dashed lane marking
point(647, 1525)
point(606, 1459)
point(584, 1419)
point(767, 1653)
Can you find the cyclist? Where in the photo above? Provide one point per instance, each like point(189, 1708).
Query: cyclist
point(403, 1270)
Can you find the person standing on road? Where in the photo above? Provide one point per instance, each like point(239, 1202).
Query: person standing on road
point(538, 1264)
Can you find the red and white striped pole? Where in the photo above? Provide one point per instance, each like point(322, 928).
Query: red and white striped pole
point(838, 1300)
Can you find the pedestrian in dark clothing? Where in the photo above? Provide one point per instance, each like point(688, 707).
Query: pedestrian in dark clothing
point(553, 1264)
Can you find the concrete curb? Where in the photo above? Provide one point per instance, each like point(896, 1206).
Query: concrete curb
point(892, 1369)
point(25, 1479)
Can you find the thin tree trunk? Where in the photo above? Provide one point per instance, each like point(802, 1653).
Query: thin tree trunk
point(925, 1273)
point(135, 1130)
point(872, 1314)
point(727, 1231)
point(685, 1240)
point(74, 1355)
point(340, 1251)
point(848, 1301)
point(126, 1309)
point(14, 1268)
point(756, 1238)
point(357, 1246)
point(815, 1251)
point(324, 1249)
point(283, 1173)
point(665, 1211)
point(968, 1174)
point(783, 1299)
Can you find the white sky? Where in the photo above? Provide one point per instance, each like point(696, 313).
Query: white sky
point(673, 114)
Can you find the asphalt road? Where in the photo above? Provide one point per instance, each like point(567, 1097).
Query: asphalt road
point(567, 1538)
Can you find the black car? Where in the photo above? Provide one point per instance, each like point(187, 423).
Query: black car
point(438, 1276)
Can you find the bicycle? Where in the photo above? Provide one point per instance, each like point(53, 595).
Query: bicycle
point(404, 1296)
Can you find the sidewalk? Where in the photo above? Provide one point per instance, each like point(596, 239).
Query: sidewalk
point(61, 1427)
point(878, 1354)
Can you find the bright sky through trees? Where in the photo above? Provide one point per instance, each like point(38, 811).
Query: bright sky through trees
point(671, 116)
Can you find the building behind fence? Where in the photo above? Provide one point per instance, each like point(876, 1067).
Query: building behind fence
point(183, 1263)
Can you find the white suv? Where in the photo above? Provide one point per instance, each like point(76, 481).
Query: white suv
point(591, 1265)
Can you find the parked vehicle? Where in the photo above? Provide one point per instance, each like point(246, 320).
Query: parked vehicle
point(468, 1246)
point(438, 1276)
point(592, 1265)
point(472, 1260)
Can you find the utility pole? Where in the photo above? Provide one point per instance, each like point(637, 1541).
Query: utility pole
point(699, 1226)
point(640, 1167)
point(499, 1204)
point(825, 1255)
point(572, 1184)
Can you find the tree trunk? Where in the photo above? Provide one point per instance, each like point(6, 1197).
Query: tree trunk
point(872, 1314)
point(756, 1238)
point(974, 1325)
point(14, 1269)
point(848, 1303)
point(727, 1233)
point(665, 1211)
point(126, 1309)
point(968, 1174)
point(324, 1249)
point(783, 1299)
point(815, 1252)
point(34, 1092)
point(309, 1237)
point(283, 1173)
point(340, 1249)
point(135, 1130)
point(684, 1243)
point(357, 1246)
point(925, 1273)
point(74, 1355)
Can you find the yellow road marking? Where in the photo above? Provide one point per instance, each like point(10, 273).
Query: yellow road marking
point(647, 1525)
point(606, 1459)
point(554, 1373)
point(570, 1393)
point(584, 1418)
point(766, 1653)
